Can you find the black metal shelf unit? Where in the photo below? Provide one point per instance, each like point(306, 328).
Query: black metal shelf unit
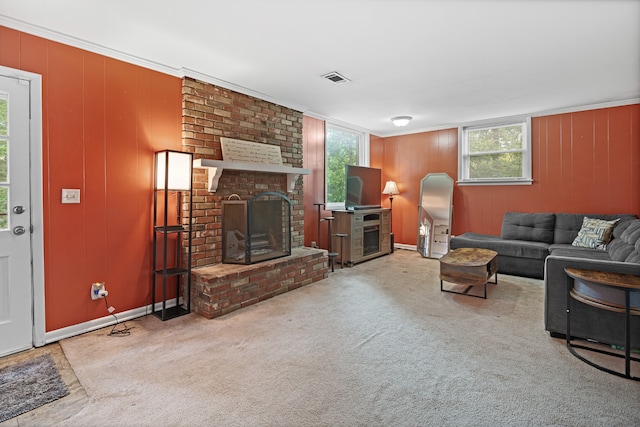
point(178, 268)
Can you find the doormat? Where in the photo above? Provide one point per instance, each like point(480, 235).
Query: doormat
point(28, 385)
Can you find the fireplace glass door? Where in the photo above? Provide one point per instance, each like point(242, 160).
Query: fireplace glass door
point(256, 230)
point(371, 234)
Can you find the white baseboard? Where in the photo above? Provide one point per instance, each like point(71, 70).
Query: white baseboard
point(406, 247)
point(92, 325)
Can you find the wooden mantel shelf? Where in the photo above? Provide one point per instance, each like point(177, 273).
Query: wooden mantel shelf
point(215, 168)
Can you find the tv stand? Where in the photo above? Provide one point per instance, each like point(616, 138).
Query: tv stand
point(368, 233)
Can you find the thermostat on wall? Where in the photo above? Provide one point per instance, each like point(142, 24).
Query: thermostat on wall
point(70, 195)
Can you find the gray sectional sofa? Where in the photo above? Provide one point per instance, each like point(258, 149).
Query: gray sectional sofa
point(522, 246)
point(540, 245)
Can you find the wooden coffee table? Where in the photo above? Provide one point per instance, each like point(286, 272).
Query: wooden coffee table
point(470, 267)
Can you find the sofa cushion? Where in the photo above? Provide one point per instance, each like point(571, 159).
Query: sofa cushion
point(514, 248)
point(619, 250)
point(571, 251)
point(635, 257)
point(627, 247)
point(569, 224)
point(595, 233)
point(535, 227)
point(621, 226)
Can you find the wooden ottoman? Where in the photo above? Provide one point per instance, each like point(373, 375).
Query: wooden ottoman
point(470, 267)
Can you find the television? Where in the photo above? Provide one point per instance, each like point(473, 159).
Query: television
point(363, 188)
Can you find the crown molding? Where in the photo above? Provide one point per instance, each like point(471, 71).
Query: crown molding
point(85, 45)
point(575, 109)
point(136, 60)
point(337, 122)
point(186, 72)
point(564, 110)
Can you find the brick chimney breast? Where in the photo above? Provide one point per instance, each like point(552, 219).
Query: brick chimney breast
point(210, 112)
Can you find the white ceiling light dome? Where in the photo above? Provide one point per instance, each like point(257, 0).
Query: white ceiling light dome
point(401, 120)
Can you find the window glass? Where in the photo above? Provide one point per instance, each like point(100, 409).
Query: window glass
point(495, 154)
point(3, 162)
point(342, 147)
point(4, 190)
point(4, 212)
point(4, 118)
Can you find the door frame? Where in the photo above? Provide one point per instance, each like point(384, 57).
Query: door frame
point(36, 209)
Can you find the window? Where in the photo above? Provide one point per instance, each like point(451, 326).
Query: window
point(498, 153)
point(4, 162)
point(343, 146)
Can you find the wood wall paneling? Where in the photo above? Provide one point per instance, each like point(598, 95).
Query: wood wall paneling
point(159, 129)
point(9, 47)
point(624, 157)
point(313, 184)
point(66, 262)
point(102, 120)
point(601, 163)
point(121, 115)
point(583, 162)
point(635, 160)
point(94, 191)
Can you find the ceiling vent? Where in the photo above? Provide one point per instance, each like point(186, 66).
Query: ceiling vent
point(336, 77)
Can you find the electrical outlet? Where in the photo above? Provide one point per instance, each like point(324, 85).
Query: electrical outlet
point(98, 291)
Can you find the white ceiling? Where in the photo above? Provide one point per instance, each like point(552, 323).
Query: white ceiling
point(442, 62)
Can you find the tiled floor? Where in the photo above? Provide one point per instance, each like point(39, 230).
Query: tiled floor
point(57, 410)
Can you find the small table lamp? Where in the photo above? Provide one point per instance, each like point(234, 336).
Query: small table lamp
point(391, 188)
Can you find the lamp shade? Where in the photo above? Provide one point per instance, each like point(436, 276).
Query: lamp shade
point(173, 170)
point(390, 188)
point(401, 120)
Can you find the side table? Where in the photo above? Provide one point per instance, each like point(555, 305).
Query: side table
point(470, 267)
point(606, 291)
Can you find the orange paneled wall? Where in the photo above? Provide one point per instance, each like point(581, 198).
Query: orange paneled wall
point(313, 184)
point(583, 162)
point(406, 160)
point(102, 121)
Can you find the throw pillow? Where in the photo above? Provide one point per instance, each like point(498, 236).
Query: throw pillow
point(595, 233)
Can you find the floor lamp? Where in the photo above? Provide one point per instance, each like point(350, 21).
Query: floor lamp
point(391, 188)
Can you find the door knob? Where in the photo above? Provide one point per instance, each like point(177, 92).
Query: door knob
point(18, 209)
point(18, 230)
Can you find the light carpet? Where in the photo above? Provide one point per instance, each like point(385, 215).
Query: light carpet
point(373, 345)
point(30, 384)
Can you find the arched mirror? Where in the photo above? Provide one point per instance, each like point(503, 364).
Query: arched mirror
point(435, 213)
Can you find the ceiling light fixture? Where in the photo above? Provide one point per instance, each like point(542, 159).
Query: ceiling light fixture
point(401, 120)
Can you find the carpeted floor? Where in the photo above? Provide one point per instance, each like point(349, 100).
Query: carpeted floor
point(374, 345)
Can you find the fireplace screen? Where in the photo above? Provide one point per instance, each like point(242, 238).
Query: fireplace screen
point(257, 229)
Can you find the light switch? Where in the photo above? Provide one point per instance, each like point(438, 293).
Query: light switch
point(70, 195)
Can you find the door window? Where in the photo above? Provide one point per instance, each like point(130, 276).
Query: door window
point(4, 170)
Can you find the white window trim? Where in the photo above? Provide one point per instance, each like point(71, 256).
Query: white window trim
point(463, 154)
point(363, 157)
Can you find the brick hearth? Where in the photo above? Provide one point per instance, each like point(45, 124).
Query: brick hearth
point(222, 288)
point(209, 113)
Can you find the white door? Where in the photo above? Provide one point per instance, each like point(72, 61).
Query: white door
point(16, 317)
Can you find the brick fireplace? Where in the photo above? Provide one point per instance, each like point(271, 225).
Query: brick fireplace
point(209, 113)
